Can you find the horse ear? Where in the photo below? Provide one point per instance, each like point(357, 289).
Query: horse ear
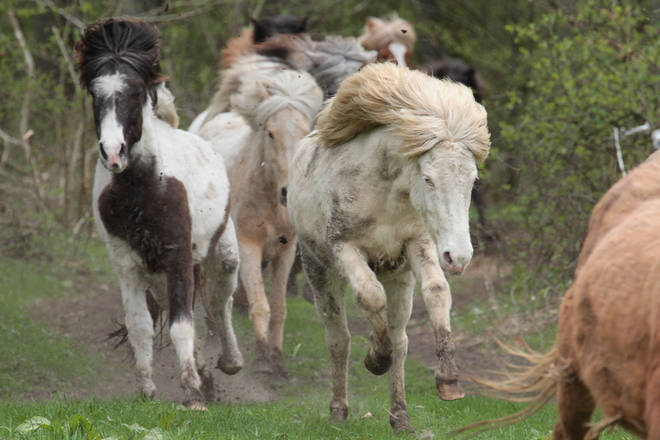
point(371, 23)
point(259, 34)
point(304, 22)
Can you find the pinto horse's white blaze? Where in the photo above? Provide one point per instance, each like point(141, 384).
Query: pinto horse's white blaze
point(399, 51)
point(161, 201)
point(112, 145)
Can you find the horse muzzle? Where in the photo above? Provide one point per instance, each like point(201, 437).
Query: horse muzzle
point(114, 159)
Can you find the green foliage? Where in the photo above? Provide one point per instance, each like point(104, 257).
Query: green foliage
point(589, 70)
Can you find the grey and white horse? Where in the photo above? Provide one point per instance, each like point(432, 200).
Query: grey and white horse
point(379, 196)
point(160, 203)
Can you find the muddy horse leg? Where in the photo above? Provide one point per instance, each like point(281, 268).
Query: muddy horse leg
point(281, 266)
point(201, 332)
point(399, 290)
point(370, 298)
point(435, 290)
point(330, 304)
point(250, 273)
point(223, 272)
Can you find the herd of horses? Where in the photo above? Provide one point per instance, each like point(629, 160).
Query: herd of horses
point(364, 169)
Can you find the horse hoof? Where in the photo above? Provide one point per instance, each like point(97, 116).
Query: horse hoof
point(229, 366)
point(401, 424)
point(195, 405)
point(376, 364)
point(262, 366)
point(338, 413)
point(451, 390)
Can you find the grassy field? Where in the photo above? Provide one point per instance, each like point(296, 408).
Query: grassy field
point(33, 357)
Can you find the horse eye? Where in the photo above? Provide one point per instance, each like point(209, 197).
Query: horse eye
point(270, 135)
point(428, 182)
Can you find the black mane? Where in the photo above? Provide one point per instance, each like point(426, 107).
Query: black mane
point(282, 24)
point(119, 40)
point(457, 70)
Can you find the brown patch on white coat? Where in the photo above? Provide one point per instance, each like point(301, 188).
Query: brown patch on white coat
point(159, 195)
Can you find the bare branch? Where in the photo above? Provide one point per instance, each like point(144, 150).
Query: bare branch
point(25, 108)
point(67, 58)
point(172, 18)
point(70, 18)
point(12, 140)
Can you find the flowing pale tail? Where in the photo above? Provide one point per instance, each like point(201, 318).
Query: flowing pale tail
point(536, 383)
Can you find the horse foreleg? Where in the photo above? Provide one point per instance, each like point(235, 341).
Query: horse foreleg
point(331, 307)
point(250, 273)
point(370, 298)
point(223, 269)
point(423, 257)
point(139, 325)
point(277, 299)
point(180, 288)
point(399, 307)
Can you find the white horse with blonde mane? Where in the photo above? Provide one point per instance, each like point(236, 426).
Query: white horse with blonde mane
point(279, 105)
point(379, 196)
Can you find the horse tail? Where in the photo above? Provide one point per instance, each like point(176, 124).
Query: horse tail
point(119, 336)
point(536, 383)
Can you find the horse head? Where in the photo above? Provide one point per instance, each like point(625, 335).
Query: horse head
point(118, 64)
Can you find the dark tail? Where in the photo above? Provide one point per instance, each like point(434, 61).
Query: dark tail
point(119, 336)
point(536, 383)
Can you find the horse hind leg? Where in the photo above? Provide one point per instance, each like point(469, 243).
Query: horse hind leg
point(399, 289)
point(370, 298)
point(202, 329)
point(575, 405)
point(223, 270)
point(330, 304)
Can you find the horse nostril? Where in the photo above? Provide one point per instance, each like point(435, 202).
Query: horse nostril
point(115, 166)
point(448, 259)
point(102, 151)
point(122, 151)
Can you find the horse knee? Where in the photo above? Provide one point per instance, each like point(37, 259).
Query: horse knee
point(371, 297)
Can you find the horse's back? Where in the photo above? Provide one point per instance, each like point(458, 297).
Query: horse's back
point(642, 184)
point(227, 133)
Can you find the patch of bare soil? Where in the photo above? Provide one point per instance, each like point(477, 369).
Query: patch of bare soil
point(87, 322)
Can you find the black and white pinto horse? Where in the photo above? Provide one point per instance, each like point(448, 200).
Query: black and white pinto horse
point(379, 196)
point(160, 203)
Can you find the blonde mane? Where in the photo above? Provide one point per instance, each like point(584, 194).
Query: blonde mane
point(421, 110)
point(233, 78)
point(165, 108)
point(263, 93)
point(378, 33)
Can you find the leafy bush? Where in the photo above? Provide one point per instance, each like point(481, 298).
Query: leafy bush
point(590, 69)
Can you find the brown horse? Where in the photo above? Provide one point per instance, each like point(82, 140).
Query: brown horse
point(393, 39)
point(608, 341)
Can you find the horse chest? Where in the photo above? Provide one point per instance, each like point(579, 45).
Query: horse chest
point(153, 219)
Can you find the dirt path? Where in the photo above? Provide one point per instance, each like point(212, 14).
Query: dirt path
point(88, 320)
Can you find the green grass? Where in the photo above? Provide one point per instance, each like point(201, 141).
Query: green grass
point(32, 356)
